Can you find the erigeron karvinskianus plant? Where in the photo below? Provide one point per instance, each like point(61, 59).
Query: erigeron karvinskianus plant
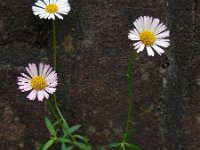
point(151, 34)
point(42, 81)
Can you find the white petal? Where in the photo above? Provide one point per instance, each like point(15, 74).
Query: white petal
point(48, 72)
point(36, 8)
point(27, 77)
point(132, 37)
point(32, 95)
point(52, 84)
point(61, 2)
point(138, 27)
point(149, 22)
point(46, 67)
point(134, 32)
point(41, 67)
point(160, 29)
point(59, 16)
point(50, 75)
point(40, 4)
point(33, 69)
point(163, 35)
point(51, 16)
point(150, 51)
point(140, 22)
point(162, 43)
point(46, 2)
point(50, 90)
point(23, 80)
point(40, 96)
point(146, 22)
point(30, 73)
point(154, 24)
point(44, 15)
point(158, 49)
point(46, 95)
point(64, 10)
point(137, 46)
point(141, 48)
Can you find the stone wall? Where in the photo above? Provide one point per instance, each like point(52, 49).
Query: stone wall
point(93, 53)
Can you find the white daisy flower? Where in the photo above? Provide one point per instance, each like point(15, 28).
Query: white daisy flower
point(40, 81)
point(48, 9)
point(149, 33)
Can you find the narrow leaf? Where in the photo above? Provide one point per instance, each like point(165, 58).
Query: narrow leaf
point(81, 138)
point(48, 144)
point(82, 146)
point(41, 147)
point(64, 147)
point(50, 127)
point(74, 128)
point(63, 140)
point(114, 145)
point(132, 146)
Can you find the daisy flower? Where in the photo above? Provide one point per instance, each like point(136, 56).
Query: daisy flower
point(48, 9)
point(40, 81)
point(149, 33)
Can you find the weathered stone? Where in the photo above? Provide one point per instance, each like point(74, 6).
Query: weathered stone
point(93, 53)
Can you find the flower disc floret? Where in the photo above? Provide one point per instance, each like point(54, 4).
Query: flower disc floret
point(51, 8)
point(147, 37)
point(38, 83)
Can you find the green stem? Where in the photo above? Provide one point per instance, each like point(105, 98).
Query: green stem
point(61, 116)
point(54, 65)
point(52, 110)
point(54, 46)
point(130, 95)
point(58, 110)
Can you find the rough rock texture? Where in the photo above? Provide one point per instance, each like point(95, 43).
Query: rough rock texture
point(93, 53)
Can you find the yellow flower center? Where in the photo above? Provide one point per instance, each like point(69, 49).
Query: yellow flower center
point(38, 83)
point(51, 8)
point(147, 37)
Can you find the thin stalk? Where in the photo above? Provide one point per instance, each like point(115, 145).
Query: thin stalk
point(58, 110)
point(61, 116)
point(130, 95)
point(52, 110)
point(54, 65)
point(54, 46)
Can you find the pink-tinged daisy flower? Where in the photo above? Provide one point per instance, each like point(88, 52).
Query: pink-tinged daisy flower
point(149, 33)
point(40, 81)
point(48, 9)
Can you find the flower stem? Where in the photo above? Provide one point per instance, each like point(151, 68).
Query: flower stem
point(55, 65)
point(59, 112)
point(54, 46)
point(52, 110)
point(130, 95)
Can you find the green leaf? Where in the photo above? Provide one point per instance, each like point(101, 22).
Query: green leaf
point(64, 147)
point(130, 133)
point(48, 144)
point(82, 146)
point(50, 127)
point(132, 146)
point(81, 138)
point(63, 140)
point(74, 128)
point(114, 145)
point(103, 148)
point(64, 129)
point(41, 147)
